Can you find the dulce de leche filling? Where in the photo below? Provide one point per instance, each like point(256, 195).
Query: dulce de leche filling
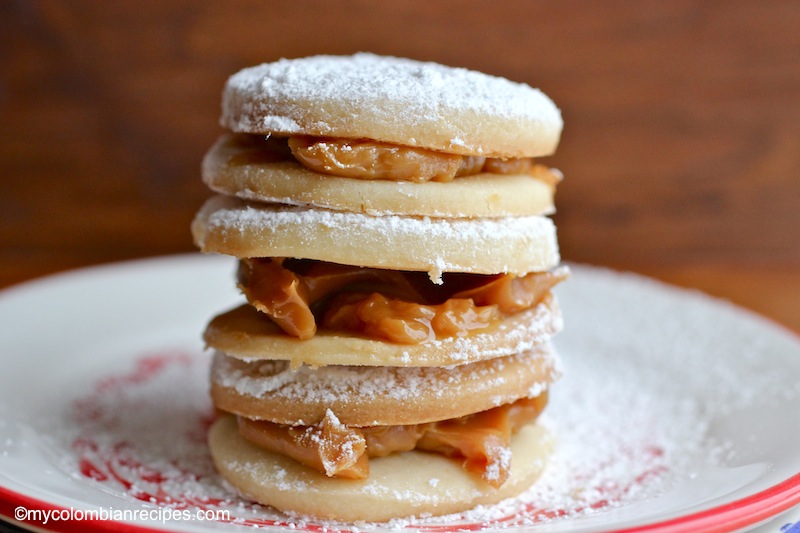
point(366, 159)
point(375, 160)
point(405, 307)
point(481, 441)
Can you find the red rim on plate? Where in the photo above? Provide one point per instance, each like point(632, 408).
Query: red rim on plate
point(727, 517)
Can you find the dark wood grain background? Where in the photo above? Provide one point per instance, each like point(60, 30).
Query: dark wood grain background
point(681, 147)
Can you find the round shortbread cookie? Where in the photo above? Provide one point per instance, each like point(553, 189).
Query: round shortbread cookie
point(394, 100)
point(289, 182)
point(375, 395)
point(515, 245)
point(399, 485)
point(246, 333)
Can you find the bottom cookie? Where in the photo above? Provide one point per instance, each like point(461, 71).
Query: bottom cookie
point(399, 485)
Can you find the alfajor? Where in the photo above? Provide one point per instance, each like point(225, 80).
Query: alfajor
point(392, 352)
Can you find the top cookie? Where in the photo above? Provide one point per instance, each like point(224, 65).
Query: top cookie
point(393, 100)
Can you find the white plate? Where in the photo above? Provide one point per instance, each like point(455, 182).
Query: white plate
point(676, 412)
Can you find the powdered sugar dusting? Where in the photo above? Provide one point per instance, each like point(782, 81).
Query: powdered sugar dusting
point(330, 384)
point(428, 93)
point(227, 213)
point(143, 432)
point(533, 237)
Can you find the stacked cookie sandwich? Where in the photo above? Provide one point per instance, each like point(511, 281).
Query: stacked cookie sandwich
point(396, 260)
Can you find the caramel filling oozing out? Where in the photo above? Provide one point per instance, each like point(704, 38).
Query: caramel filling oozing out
point(404, 307)
point(481, 441)
point(368, 159)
